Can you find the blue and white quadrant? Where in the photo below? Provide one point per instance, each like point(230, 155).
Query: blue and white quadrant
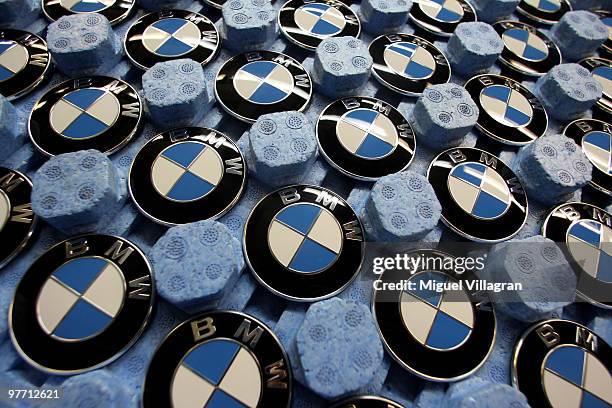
point(590, 244)
point(13, 58)
point(479, 190)
point(448, 11)
point(84, 113)
point(597, 146)
point(575, 378)
point(171, 37)
point(367, 133)
point(186, 171)
point(410, 60)
point(549, 6)
point(219, 373)
point(319, 19)
point(81, 298)
point(506, 105)
point(305, 238)
point(525, 44)
point(263, 82)
point(86, 6)
point(440, 320)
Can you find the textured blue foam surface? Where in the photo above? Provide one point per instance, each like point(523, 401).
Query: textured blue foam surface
point(578, 34)
point(432, 395)
point(282, 148)
point(94, 389)
point(83, 44)
point(338, 347)
point(176, 93)
point(443, 115)
point(18, 13)
point(567, 90)
point(11, 137)
point(491, 11)
point(341, 66)
point(473, 48)
point(402, 207)
point(552, 168)
point(384, 16)
point(486, 395)
point(194, 263)
point(76, 191)
point(248, 25)
point(548, 280)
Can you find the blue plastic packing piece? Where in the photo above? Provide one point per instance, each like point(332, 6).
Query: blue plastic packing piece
point(359, 290)
point(491, 11)
point(83, 44)
point(377, 382)
point(551, 168)
point(320, 170)
point(123, 222)
point(341, 66)
point(487, 395)
point(18, 13)
point(96, 389)
point(194, 264)
point(431, 396)
point(384, 16)
point(241, 293)
point(473, 48)
point(402, 207)
point(176, 93)
point(248, 25)
point(443, 116)
point(602, 326)
point(282, 147)
point(11, 136)
point(339, 349)
point(578, 34)
point(304, 398)
point(265, 306)
point(76, 191)
point(156, 5)
point(567, 91)
point(538, 264)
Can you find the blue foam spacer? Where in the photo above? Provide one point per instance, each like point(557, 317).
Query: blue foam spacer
point(176, 93)
point(123, 222)
point(11, 137)
point(587, 5)
point(339, 349)
point(602, 326)
point(131, 367)
point(567, 91)
point(431, 396)
point(304, 398)
point(282, 147)
point(241, 293)
point(402, 207)
point(488, 395)
point(358, 196)
point(18, 13)
point(237, 216)
point(359, 291)
point(378, 380)
point(473, 47)
point(75, 191)
point(384, 16)
point(536, 213)
point(551, 168)
point(194, 264)
point(156, 5)
point(491, 11)
point(248, 25)
point(443, 115)
point(578, 34)
point(547, 278)
point(98, 388)
point(6, 297)
point(341, 66)
point(83, 44)
point(392, 393)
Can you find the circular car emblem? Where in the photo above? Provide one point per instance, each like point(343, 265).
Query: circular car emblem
point(303, 243)
point(24, 62)
point(526, 50)
point(257, 83)
point(366, 401)
point(219, 359)
point(595, 138)
point(441, 17)
point(365, 138)
point(423, 327)
point(481, 197)
point(543, 11)
point(17, 221)
point(587, 232)
point(307, 23)
point(408, 64)
point(114, 10)
point(559, 363)
point(95, 112)
point(82, 304)
point(509, 112)
point(171, 34)
point(186, 175)
point(601, 69)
